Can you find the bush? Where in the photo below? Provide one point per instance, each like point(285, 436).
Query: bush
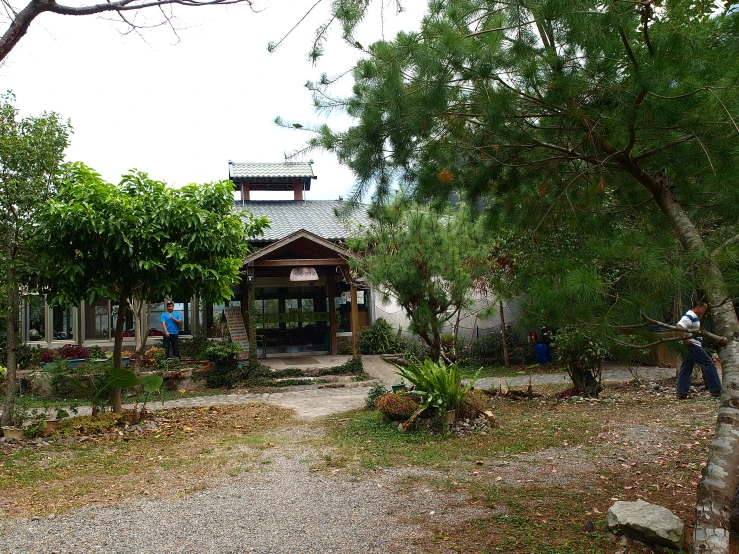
point(415, 349)
point(378, 339)
point(374, 393)
point(224, 356)
point(48, 356)
point(397, 407)
point(489, 348)
point(74, 352)
point(473, 402)
point(439, 385)
point(194, 347)
point(27, 356)
point(581, 353)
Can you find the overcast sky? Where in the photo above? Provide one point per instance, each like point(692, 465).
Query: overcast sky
point(181, 110)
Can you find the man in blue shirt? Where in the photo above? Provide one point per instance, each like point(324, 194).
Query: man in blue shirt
point(170, 325)
point(696, 355)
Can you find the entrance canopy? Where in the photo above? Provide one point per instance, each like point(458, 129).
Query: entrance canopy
point(302, 296)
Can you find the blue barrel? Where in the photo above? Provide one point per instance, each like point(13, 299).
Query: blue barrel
point(542, 353)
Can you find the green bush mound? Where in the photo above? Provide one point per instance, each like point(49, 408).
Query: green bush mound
point(90, 425)
point(397, 407)
point(379, 339)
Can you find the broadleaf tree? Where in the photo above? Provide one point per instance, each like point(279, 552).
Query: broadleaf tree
point(31, 154)
point(603, 136)
point(140, 239)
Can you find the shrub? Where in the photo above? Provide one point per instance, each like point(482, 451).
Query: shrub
point(473, 402)
point(397, 407)
point(489, 348)
point(27, 356)
point(74, 352)
point(581, 353)
point(224, 356)
point(378, 339)
point(415, 349)
point(48, 356)
point(194, 347)
point(373, 394)
point(439, 385)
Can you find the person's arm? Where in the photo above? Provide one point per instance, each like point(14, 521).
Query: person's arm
point(177, 321)
point(164, 325)
point(687, 335)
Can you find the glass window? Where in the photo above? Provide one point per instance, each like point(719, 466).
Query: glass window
point(184, 309)
point(35, 319)
point(97, 320)
point(291, 310)
point(271, 313)
point(217, 321)
point(155, 321)
point(62, 323)
point(128, 328)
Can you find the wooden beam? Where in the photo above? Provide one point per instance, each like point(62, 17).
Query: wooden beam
point(300, 262)
point(332, 315)
point(355, 322)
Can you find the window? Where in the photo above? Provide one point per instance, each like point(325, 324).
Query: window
point(62, 323)
point(35, 319)
point(97, 320)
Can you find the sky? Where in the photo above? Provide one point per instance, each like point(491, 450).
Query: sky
point(179, 107)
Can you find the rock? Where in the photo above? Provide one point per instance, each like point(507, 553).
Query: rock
point(647, 522)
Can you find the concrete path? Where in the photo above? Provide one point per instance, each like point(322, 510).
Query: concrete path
point(311, 401)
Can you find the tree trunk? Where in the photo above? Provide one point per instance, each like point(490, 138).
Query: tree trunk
point(720, 481)
point(141, 316)
point(504, 335)
point(115, 394)
point(12, 326)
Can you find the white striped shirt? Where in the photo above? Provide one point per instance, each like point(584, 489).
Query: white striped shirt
point(691, 322)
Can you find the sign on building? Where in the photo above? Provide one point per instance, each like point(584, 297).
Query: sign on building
point(304, 274)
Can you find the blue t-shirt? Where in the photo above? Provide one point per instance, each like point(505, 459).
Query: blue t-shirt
point(169, 322)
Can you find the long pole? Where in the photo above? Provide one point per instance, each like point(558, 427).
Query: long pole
point(505, 335)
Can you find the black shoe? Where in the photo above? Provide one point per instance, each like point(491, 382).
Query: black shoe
point(682, 396)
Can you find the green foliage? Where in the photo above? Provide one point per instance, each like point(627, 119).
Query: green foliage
point(373, 394)
point(489, 348)
point(414, 349)
point(583, 133)
point(354, 366)
point(28, 356)
point(96, 381)
point(378, 339)
point(426, 259)
point(439, 385)
point(581, 353)
point(397, 407)
point(224, 356)
point(193, 347)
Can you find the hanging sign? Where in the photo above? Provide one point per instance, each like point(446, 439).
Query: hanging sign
point(237, 330)
point(304, 274)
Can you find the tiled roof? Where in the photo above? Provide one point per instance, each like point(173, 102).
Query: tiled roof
point(295, 170)
point(317, 216)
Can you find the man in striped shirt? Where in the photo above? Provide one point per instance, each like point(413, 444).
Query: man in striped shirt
point(691, 323)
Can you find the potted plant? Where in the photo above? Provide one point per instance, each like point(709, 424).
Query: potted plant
point(399, 385)
point(75, 354)
point(18, 416)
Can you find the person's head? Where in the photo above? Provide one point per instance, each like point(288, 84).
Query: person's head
point(170, 307)
point(699, 307)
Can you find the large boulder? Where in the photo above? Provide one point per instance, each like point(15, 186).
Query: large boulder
point(647, 522)
point(41, 384)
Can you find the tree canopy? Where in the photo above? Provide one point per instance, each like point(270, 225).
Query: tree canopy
point(427, 259)
point(140, 238)
point(31, 154)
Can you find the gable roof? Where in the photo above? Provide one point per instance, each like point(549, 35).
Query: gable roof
point(298, 237)
point(318, 217)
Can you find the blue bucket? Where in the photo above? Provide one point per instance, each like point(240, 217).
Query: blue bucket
point(542, 353)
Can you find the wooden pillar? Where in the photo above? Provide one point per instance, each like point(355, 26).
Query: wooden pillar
point(334, 348)
point(252, 320)
point(355, 322)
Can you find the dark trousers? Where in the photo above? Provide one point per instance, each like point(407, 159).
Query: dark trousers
point(696, 355)
point(173, 341)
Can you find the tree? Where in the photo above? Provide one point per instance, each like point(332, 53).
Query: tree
point(31, 152)
point(19, 20)
point(140, 239)
point(426, 259)
point(605, 130)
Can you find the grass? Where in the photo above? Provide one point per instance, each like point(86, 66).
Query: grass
point(468, 370)
point(542, 481)
point(191, 448)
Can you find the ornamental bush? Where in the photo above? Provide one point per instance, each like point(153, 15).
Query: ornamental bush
point(74, 352)
point(378, 339)
point(397, 407)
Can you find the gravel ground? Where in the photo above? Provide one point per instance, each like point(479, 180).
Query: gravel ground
point(278, 506)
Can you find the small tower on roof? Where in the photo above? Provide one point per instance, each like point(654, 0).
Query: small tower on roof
point(284, 176)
